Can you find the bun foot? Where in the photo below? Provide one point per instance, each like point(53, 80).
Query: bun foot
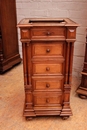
point(29, 118)
point(65, 117)
point(82, 96)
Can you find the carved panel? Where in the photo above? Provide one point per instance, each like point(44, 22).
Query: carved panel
point(25, 33)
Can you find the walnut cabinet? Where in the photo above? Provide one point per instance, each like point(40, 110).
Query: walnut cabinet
point(82, 89)
point(47, 46)
point(9, 52)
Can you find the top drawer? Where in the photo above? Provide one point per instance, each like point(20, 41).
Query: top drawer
point(48, 32)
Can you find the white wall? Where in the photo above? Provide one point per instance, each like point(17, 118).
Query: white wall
point(74, 9)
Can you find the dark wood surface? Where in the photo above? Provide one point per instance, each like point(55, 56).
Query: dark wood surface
point(47, 63)
point(9, 52)
point(82, 89)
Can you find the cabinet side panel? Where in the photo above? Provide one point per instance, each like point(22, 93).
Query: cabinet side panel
point(8, 28)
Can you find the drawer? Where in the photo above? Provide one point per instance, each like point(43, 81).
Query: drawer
point(48, 49)
point(47, 99)
point(46, 69)
point(48, 32)
point(48, 83)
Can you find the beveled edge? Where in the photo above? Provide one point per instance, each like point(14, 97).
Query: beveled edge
point(68, 22)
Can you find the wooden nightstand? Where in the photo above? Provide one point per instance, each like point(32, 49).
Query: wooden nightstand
point(47, 58)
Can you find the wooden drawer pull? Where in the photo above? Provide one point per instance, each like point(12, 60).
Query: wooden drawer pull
point(48, 33)
point(47, 68)
point(47, 50)
point(47, 100)
point(47, 85)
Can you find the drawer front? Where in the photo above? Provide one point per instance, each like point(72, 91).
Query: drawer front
point(48, 49)
point(47, 69)
point(47, 99)
point(46, 32)
point(48, 83)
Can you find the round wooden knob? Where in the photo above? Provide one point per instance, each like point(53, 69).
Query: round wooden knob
point(48, 33)
point(47, 85)
point(47, 50)
point(47, 100)
point(47, 68)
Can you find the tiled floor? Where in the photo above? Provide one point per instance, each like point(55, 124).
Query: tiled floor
point(12, 100)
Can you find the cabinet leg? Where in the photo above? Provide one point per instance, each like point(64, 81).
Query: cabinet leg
point(29, 118)
point(65, 117)
point(82, 96)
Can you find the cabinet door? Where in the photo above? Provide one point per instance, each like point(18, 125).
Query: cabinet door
point(8, 28)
